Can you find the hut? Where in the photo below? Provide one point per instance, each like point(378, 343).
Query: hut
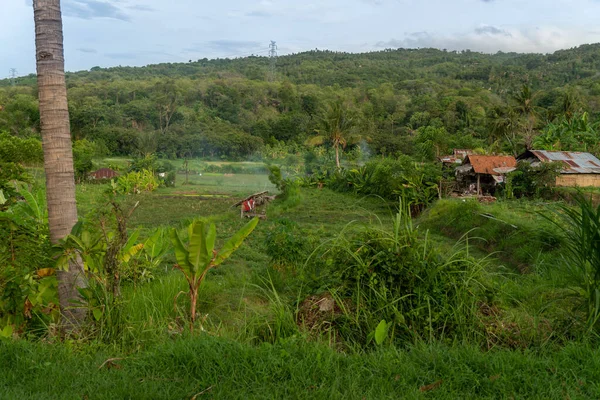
point(578, 168)
point(104, 173)
point(479, 173)
point(457, 157)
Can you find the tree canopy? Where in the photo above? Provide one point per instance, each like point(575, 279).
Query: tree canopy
point(417, 102)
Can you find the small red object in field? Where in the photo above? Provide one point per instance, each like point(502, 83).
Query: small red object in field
point(248, 205)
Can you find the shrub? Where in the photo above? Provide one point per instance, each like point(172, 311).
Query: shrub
point(17, 150)
point(403, 280)
point(135, 183)
point(530, 181)
point(581, 229)
point(27, 284)
point(417, 183)
point(287, 245)
point(10, 174)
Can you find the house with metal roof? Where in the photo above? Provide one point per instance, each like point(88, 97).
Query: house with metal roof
point(457, 157)
point(104, 173)
point(578, 168)
point(481, 173)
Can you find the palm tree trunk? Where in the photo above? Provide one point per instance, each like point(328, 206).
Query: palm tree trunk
point(337, 155)
point(58, 154)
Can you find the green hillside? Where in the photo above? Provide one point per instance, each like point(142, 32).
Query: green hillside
point(418, 102)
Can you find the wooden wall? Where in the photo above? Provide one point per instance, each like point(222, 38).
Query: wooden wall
point(581, 180)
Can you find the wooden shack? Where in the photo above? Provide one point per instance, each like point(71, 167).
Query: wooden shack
point(104, 173)
point(578, 168)
point(481, 174)
point(457, 157)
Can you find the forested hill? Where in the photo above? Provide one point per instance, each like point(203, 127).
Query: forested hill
point(374, 68)
point(420, 102)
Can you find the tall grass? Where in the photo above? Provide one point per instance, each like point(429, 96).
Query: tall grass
point(580, 226)
point(400, 277)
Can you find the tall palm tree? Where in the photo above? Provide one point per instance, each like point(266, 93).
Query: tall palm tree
point(525, 108)
point(58, 153)
point(335, 126)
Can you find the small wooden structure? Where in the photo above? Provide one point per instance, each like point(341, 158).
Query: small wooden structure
point(480, 173)
point(249, 205)
point(578, 168)
point(456, 158)
point(104, 173)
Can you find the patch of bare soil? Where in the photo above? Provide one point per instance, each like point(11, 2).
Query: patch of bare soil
point(317, 313)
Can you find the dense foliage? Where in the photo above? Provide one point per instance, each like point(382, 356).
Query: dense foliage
point(417, 102)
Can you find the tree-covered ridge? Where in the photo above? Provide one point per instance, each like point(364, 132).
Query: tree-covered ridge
point(418, 102)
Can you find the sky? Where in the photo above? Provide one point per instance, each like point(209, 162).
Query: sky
point(139, 32)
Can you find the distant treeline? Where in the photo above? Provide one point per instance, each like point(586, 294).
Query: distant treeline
point(416, 102)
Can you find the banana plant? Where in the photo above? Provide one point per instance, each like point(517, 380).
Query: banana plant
point(199, 256)
point(155, 248)
point(91, 247)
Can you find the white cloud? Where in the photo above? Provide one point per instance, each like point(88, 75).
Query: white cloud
point(490, 39)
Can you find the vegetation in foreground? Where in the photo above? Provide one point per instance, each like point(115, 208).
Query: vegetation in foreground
point(212, 367)
point(484, 324)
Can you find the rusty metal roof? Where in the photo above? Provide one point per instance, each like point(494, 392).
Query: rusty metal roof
point(462, 153)
point(451, 160)
point(457, 157)
point(104, 173)
point(487, 164)
point(574, 162)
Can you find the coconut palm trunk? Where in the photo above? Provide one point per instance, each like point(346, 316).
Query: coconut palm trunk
point(58, 154)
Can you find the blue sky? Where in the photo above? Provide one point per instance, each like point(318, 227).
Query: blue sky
point(139, 32)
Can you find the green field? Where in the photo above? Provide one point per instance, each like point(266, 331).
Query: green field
point(249, 344)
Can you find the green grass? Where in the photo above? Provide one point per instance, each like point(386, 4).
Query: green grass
point(230, 356)
point(217, 368)
point(513, 230)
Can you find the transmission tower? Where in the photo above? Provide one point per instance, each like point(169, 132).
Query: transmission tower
point(13, 76)
point(272, 60)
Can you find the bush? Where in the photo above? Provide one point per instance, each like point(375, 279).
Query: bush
point(416, 183)
point(403, 280)
point(135, 182)
point(287, 245)
point(530, 181)
point(27, 284)
point(10, 173)
point(581, 230)
point(17, 150)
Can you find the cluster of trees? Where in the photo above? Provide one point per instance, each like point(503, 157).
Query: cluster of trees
point(415, 102)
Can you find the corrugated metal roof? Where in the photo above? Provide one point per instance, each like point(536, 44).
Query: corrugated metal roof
point(574, 162)
point(457, 157)
point(451, 160)
point(104, 173)
point(487, 164)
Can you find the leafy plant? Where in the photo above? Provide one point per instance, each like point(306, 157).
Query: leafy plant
point(107, 252)
point(140, 268)
point(27, 281)
point(287, 245)
point(530, 181)
point(416, 183)
point(199, 256)
point(581, 229)
point(135, 182)
point(403, 279)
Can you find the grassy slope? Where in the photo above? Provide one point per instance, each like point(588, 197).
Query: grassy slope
point(164, 362)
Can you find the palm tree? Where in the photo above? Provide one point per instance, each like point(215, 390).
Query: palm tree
point(58, 154)
point(335, 126)
point(525, 108)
